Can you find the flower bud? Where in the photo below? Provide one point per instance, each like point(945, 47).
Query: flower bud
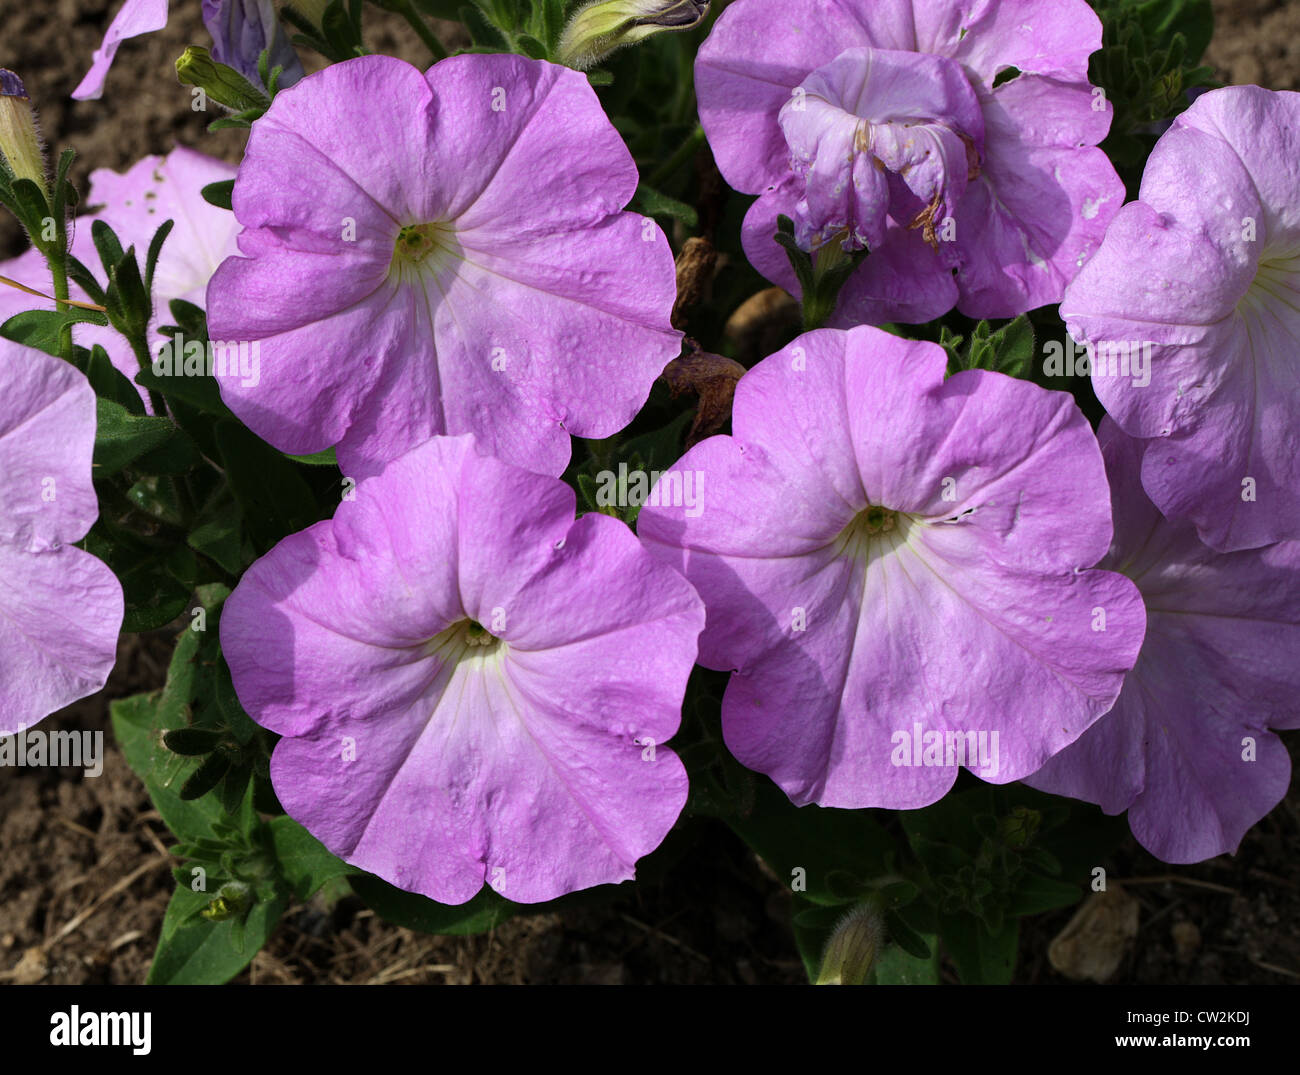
point(20, 140)
point(600, 27)
point(223, 84)
point(851, 951)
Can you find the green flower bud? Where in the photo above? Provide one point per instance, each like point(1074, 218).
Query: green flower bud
point(20, 139)
point(851, 952)
point(223, 84)
point(602, 26)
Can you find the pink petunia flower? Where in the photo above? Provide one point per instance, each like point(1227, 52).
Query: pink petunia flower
point(1201, 278)
point(896, 567)
point(135, 203)
point(154, 189)
point(1187, 749)
point(877, 124)
point(472, 686)
point(60, 608)
point(443, 253)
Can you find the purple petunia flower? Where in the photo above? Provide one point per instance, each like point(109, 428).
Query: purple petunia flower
point(878, 125)
point(135, 203)
point(241, 30)
point(1202, 274)
point(1187, 750)
point(895, 566)
point(154, 189)
point(60, 608)
point(443, 253)
point(472, 686)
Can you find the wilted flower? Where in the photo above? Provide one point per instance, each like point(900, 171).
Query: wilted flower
point(1187, 749)
point(602, 26)
point(60, 608)
point(1204, 271)
point(473, 687)
point(892, 564)
point(955, 141)
point(443, 253)
point(241, 30)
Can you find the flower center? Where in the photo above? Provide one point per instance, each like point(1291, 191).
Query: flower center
point(1271, 305)
point(866, 529)
point(424, 248)
point(464, 640)
point(878, 134)
point(477, 635)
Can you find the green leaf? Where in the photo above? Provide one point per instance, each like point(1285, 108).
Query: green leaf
point(324, 458)
point(895, 966)
point(654, 203)
point(41, 328)
point(138, 723)
point(107, 244)
point(981, 957)
point(194, 951)
point(552, 22)
point(809, 844)
point(275, 499)
point(531, 47)
point(106, 379)
point(1038, 894)
point(191, 741)
point(205, 777)
point(219, 194)
point(122, 437)
point(219, 534)
point(29, 205)
point(155, 251)
point(1009, 350)
point(304, 861)
point(1194, 19)
point(482, 32)
point(482, 913)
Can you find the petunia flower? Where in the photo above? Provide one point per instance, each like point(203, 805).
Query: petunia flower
point(60, 608)
point(443, 253)
point(897, 569)
point(472, 686)
point(1187, 749)
point(241, 30)
point(954, 140)
point(1203, 273)
point(135, 203)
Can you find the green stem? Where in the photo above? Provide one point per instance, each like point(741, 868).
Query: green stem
point(57, 256)
point(408, 12)
point(141, 349)
point(681, 154)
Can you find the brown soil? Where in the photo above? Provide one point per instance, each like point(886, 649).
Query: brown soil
point(83, 862)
